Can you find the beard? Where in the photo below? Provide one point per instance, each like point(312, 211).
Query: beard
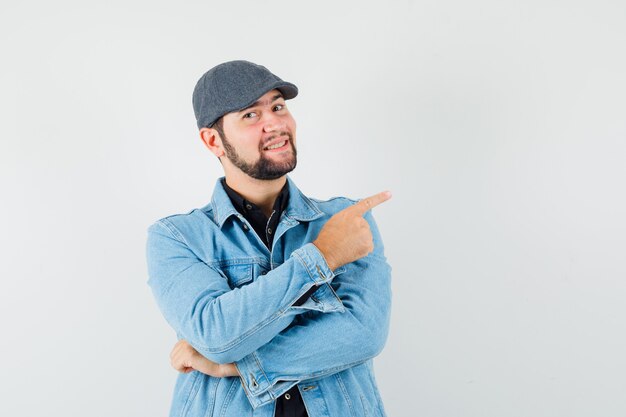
point(264, 168)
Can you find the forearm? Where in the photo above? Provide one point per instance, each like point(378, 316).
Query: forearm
point(317, 345)
point(226, 324)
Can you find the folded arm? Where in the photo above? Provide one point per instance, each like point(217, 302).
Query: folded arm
point(315, 344)
point(225, 324)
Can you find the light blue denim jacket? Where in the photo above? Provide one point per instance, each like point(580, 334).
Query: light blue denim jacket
point(231, 298)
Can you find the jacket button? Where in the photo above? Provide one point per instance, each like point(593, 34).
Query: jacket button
point(245, 227)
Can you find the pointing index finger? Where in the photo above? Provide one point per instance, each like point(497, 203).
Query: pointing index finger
point(369, 203)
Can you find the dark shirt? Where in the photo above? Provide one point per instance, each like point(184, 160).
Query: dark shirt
point(289, 404)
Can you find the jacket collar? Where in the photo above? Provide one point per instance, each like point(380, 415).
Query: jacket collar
point(299, 207)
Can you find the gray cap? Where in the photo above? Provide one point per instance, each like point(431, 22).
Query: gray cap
point(233, 86)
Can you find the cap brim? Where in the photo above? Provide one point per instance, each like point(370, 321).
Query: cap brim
point(287, 89)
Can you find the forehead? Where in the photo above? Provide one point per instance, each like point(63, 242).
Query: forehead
point(266, 99)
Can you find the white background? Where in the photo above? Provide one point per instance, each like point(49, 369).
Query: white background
point(499, 126)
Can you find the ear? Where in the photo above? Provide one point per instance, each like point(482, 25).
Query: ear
point(212, 141)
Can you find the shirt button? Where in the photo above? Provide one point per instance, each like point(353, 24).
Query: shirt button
point(269, 230)
point(287, 396)
point(248, 206)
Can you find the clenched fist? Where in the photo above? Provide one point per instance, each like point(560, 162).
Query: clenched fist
point(184, 358)
point(346, 236)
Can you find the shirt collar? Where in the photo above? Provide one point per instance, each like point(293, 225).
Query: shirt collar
point(299, 207)
point(244, 206)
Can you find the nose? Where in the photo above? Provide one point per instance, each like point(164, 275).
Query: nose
point(273, 123)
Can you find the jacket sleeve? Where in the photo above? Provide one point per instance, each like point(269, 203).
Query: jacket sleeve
point(225, 324)
point(315, 345)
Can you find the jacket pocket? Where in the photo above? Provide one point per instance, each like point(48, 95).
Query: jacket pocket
point(238, 275)
point(241, 271)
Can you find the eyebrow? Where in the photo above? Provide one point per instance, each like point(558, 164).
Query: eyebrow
point(259, 102)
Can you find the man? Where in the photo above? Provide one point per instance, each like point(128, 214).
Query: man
point(280, 301)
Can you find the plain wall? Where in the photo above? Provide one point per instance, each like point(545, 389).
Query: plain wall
point(499, 127)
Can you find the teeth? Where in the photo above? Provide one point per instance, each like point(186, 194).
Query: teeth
point(278, 145)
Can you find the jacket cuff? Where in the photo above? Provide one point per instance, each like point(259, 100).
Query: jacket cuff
point(313, 261)
point(257, 387)
point(324, 300)
point(254, 381)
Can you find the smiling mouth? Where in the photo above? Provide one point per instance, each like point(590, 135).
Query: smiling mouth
point(278, 145)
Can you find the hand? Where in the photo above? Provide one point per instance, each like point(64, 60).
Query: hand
point(184, 358)
point(346, 236)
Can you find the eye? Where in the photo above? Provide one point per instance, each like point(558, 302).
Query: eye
point(249, 115)
point(279, 107)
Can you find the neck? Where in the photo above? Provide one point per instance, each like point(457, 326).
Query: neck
point(263, 193)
